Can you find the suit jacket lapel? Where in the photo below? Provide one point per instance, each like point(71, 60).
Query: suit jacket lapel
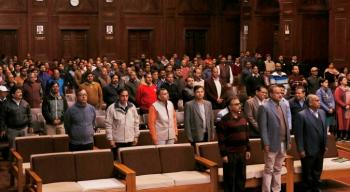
point(313, 120)
point(273, 108)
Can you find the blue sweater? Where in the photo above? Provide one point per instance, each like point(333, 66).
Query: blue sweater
point(79, 123)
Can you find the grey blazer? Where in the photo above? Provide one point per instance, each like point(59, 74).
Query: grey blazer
point(194, 123)
point(269, 125)
point(251, 111)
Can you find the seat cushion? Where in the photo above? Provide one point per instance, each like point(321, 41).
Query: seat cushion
point(328, 164)
point(62, 187)
point(109, 184)
point(256, 171)
point(221, 174)
point(188, 177)
point(153, 181)
point(25, 166)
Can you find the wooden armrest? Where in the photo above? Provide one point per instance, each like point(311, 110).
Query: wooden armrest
point(130, 176)
point(33, 181)
point(34, 176)
point(343, 148)
point(123, 168)
point(16, 155)
point(203, 161)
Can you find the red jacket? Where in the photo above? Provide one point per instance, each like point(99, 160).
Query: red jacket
point(146, 96)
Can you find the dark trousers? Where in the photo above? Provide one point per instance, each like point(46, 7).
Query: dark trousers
point(117, 146)
point(235, 172)
point(205, 139)
point(311, 167)
point(80, 147)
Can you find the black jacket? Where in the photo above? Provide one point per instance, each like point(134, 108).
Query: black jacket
point(52, 105)
point(15, 116)
point(110, 93)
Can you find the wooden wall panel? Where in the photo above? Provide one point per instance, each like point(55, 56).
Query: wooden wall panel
point(266, 26)
point(169, 19)
point(231, 30)
point(339, 33)
point(315, 39)
point(13, 6)
point(85, 6)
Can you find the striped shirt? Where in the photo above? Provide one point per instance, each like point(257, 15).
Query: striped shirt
point(233, 135)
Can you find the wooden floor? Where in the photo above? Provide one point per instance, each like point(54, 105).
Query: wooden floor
point(342, 185)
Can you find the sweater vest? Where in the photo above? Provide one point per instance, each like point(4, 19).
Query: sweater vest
point(165, 121)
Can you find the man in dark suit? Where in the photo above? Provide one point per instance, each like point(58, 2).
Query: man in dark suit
point(214, 89)
point(199, 118)
point(311, 141)
point(254, 81)
point(297, 103)
point(275, 138)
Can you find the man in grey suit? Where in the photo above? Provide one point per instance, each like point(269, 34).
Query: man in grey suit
point(275, 138)
point(251, 110)
point(199, 118)
point(311, 140)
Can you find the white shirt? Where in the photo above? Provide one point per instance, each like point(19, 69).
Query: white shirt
point(202, 112)
point(218, 86)
point(17, 102)
point(200, 82)
point(314, 113)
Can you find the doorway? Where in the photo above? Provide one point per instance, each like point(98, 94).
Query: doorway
point(74, 43)
point(196, 42)
point(139, 42)
point(9, 43)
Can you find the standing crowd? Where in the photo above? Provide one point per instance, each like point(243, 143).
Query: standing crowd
point(223, 98)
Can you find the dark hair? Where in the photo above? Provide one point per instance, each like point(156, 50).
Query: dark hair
point(52, 84)
point(14, 89)
point(341, 79)
point(188, 78)
point(160, 90)
point(88, 73)
point(80, 89)
point(230, 100)
point(120, 91)
point(258, 88)
point(197, 87)
point(115, 74)
point(300, 87)
point(145, 75)
point(322, 80)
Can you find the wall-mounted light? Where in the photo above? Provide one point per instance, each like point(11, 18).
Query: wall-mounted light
point(245, 29)
point(109, 29)
point(286, 29)
point(40, 29)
